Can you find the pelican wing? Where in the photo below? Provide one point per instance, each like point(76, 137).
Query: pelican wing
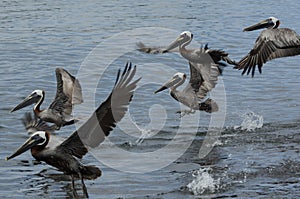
point(34, 124)
point(68, 92)
point(195, 78)
point(220, 55)
point(73, 145)
point(209, 75)
point(153, 49)
point(104, 119)
point(271, 44)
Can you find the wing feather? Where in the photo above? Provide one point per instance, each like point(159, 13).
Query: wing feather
point(68, 92)
point(271, 44)
point(195, 78)
point(105, 117)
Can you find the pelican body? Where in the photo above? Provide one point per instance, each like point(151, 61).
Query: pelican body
point(189, 96)
point(205, 67)
point(64, 156)
point(207, 62)
point(68, 93)
point(272, 43)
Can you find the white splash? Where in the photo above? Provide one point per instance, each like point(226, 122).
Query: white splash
point(251, 121)
point(203, 182)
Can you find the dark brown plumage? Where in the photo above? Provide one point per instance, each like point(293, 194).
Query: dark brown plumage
point(64, 156)
point(272, 43)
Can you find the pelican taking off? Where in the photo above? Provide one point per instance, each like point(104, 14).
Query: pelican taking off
point(68, 93)
point(189, 96)
point(272, 43)
point(64, 155)
point(205, 67)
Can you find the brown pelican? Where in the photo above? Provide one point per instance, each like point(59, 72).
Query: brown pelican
point(200, 57)
point(205, 67)
point(272, 43)
point(195, 56)
point(194, 91)
point(68, 93)
point(64, 155)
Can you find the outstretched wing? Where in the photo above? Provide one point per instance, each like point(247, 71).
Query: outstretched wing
point(68, 92)
point(105, 117)
point(154, 49)
point(271, 44)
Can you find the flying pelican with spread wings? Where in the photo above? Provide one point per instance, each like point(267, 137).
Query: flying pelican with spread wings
point(205, 66)
point(195, 90)
point(272, 43)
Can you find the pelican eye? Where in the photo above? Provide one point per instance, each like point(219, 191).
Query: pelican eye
point(40, 137)
point(37, 136)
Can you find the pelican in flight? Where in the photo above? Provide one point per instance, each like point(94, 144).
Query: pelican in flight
point(64, 156)
point(204, 60)
point(194, 91)
point(68, 93)
point(205, 66)
point(272, 43)
point(202, 55)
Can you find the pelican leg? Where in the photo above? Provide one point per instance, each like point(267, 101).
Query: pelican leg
point(83, 186)
point(73, 187)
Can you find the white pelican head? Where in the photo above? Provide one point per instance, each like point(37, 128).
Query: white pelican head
point(270, 23)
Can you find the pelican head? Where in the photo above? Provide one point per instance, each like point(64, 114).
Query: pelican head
point(270, 23)
point(34, 97)
point(184, 38)
point(39, 138)
point(177, 80)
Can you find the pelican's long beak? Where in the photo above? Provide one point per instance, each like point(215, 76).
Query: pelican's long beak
point(31, 142)
point(161, 89)
point(31, 99)
point(167, 85)
point(174, 44)
point(263, 24)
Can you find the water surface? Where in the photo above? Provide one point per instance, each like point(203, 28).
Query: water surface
point(36, 37)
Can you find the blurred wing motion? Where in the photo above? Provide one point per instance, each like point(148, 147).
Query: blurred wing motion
point(152, 50)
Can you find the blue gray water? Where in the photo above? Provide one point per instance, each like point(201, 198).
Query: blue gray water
point(256, 155)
